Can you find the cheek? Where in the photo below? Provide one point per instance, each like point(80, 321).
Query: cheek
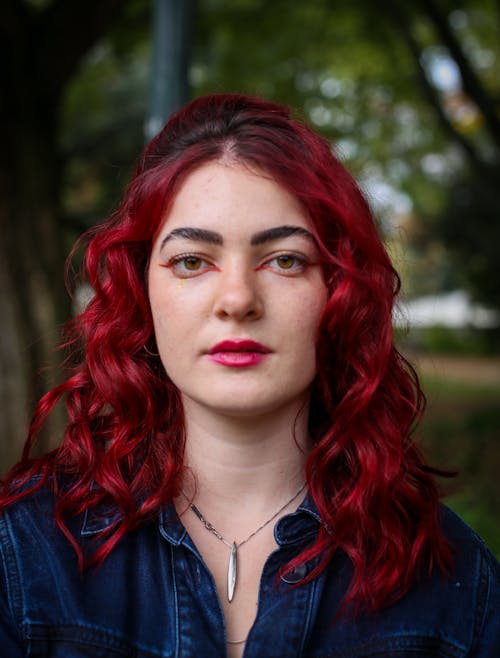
point(177, 320)
point(303, 321)
point(313, 306)
point(168, 304)
point(165, 321)
point(310, 319)
point(170, 328)
point(170, 335)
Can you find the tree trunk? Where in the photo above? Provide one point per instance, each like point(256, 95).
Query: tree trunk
point(41, 48)
point(32, 297)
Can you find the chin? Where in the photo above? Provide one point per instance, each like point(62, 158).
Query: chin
point(240, 409)
point(242, 404)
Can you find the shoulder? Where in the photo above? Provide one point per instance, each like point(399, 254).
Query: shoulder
point(30, 544)
point(461, 609)
point(457, 614)
point(33, 512)
point(31, 521)
point(47, 600)
point(473, 561)
point(36, 501)
point(472, 590)
point(28, 528)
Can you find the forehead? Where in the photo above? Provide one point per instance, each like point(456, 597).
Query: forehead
point(232, 197)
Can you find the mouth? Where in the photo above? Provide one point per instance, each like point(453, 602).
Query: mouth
point(243, 345)
point(238, 353)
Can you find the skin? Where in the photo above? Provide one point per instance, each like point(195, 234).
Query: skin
point(203, 293)
point(223, 268)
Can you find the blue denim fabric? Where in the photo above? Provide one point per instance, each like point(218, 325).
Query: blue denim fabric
point(154, 597)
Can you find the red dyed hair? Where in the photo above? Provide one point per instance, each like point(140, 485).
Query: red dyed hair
point(125, 437)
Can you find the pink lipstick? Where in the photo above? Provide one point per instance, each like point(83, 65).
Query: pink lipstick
point(238, 353)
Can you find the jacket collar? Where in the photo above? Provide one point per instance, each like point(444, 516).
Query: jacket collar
point(290, 529)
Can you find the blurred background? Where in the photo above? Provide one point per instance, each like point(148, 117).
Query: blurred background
point(407, 92)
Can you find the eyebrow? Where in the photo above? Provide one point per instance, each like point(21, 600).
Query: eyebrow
point(212, 237)
point(280, 232)
point(195, 234)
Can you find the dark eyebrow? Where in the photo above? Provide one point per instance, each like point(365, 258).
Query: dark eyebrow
point(280, 232)
point(212, 237)
point(196, 234)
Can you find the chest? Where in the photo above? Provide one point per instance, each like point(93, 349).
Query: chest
point(236, 570)
point(156, 597)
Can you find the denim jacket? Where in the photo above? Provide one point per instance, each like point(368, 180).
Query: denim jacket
point(154, 597)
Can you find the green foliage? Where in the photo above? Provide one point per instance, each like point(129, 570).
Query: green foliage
point(103, 118)
point(460, 433)
point(450, 341)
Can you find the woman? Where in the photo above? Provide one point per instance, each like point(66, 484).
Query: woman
point(237, 475)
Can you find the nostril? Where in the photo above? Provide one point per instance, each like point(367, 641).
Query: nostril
point(238, 299)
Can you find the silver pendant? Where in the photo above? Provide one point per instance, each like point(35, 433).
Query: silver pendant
point(231, 572)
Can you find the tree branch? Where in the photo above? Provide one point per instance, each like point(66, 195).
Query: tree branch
point(471, 83)
point(402, 23)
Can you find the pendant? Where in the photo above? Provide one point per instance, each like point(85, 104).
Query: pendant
point(231, 572)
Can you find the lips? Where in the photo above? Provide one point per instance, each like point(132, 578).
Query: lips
point(238, 353)
point(244, 345)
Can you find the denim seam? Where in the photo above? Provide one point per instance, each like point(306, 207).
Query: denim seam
point(107, 639)
point(176, 603)
point(12, 573)
point(380, 646)
point(482, 595)
point(51, 568)
point(311, 607)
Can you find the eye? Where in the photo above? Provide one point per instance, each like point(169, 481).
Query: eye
point(287, 263)
point(188, 265)
point(191, 263)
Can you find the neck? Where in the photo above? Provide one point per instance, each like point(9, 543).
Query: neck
point(256, 461)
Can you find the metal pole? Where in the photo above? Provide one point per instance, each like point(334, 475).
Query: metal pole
point(172, 20)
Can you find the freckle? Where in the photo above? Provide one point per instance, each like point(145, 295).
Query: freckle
point(181, 283)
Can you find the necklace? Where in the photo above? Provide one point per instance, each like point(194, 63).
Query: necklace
point(232, 567)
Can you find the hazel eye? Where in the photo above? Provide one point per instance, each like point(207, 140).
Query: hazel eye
point(286, 262)
point(188, 265)
point(191, 263)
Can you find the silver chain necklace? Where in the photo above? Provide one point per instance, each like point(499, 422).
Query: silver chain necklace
point(232, 567)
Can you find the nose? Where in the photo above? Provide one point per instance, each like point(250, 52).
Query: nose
point(238, 296)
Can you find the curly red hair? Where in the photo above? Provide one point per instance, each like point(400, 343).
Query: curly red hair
point(125, 438)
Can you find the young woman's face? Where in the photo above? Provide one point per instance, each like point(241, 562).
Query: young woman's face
point(236, 293)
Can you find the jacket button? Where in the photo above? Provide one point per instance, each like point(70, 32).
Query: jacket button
point(295, 575)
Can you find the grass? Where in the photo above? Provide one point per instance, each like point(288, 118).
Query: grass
point(461, 432)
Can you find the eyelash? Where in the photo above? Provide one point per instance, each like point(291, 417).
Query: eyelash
point(300, 263)
point(176, 262)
